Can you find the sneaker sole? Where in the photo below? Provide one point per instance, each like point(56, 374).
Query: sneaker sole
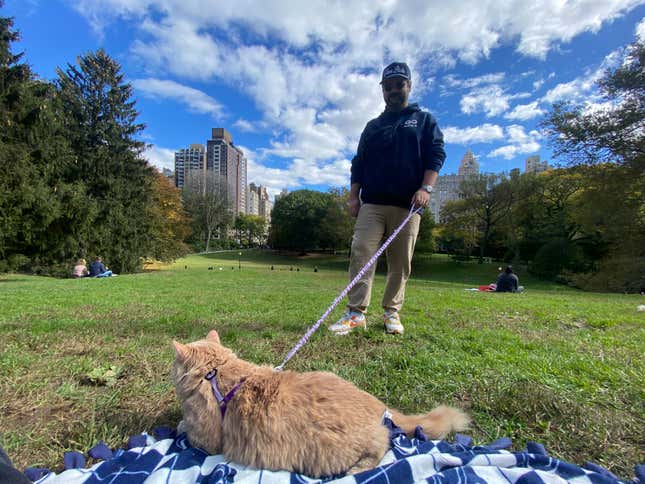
point(349, 330)
point(394, 331)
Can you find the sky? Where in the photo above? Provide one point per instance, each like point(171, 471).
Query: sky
point(296, 81)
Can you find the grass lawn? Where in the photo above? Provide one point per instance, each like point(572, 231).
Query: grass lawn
point(553, 364)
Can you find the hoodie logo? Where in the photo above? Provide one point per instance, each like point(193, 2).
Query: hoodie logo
point(410, 123)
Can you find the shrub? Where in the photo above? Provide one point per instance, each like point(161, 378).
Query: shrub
point(556, 256)
point(614, 274)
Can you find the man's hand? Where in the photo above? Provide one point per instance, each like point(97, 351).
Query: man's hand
point(354, 206)
point(421, 198)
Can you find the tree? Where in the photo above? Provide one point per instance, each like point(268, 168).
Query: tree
point(425, 240)
point(613, 131)
point(101, 125)
point(459, 231)
point(488, 199)
point(171, 226)
point(296, 220)
point(612, 136)
point(252, 227)
point(40, 209)
point(336, 226)
point(205, 197)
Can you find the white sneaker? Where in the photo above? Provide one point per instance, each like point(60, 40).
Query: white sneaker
point(393, 322)
point(349, 321)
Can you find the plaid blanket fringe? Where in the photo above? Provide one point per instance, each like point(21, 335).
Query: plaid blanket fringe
point(168, 458)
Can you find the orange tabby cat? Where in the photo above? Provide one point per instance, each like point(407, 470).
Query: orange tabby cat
point(312, 423)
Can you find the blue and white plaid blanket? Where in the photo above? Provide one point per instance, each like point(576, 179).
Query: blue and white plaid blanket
point(167, 458)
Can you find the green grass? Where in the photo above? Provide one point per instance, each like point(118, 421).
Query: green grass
point(553, 364)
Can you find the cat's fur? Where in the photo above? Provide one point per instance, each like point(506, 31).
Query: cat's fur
point(312, 423)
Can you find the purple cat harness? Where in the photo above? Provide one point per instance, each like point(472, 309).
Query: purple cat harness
point(222, 401)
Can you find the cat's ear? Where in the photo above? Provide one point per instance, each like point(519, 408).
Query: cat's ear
point(181, 351)
point(212, 334)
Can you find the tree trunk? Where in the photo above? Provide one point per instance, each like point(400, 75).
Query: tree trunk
point(208, 239)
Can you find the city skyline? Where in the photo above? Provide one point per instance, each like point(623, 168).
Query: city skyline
point(295, 93)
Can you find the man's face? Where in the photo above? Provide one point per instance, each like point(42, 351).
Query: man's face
point(396, 91)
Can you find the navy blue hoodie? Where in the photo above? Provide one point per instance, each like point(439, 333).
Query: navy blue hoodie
point(393, 153)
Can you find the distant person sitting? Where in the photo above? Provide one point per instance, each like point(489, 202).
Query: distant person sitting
point(507, 281)
point(80, 269)
point(97, 269)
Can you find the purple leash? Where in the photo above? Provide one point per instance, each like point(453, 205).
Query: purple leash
point(358, 277)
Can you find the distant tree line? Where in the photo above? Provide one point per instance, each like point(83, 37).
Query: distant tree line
point(307, 220)
point(74, 184)
point(73, 181)
point(583, 223)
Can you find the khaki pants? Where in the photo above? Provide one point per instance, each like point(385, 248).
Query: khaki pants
point(374, 224)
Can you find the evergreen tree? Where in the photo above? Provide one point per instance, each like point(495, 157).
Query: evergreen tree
point(37, 203)
point(101, 126)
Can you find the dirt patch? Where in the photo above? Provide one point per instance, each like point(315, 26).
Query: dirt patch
point(17, 417)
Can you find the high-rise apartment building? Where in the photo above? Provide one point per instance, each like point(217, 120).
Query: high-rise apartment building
point(534, 165)
point(252, 201)
point(187, 161)
point(228, 161)
point(468, 165)
point(283, 193)
point(259, 202)
point(447, 187)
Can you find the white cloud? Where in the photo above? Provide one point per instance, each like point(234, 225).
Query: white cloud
point(491, 100)
point(160, 157)
point(244, 125)
point(299, 172)
point(195, 100)
point(584, 88)
point(313, 71)
point(485, 133)
point(569, 91)
point(550, 22)
point(471, 29)
point(640, 30)
point(455, 82)
point(524, 112)
point(519, 142)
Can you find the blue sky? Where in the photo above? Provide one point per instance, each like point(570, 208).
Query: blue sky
point(296, 81)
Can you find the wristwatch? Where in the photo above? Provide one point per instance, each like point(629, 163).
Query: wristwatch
point(427, 188)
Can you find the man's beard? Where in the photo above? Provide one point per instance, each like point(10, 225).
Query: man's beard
point(395, 101)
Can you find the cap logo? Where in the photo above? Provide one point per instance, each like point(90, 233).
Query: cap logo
point(396, 69)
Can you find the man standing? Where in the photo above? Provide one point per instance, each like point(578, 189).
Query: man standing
point(396, 165)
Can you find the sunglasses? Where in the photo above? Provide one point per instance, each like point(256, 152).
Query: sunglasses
point(398, 85)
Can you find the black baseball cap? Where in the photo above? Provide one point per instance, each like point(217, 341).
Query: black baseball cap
point(396, 69)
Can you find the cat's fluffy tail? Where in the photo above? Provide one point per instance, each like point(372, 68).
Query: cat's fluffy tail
point(436, 424)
